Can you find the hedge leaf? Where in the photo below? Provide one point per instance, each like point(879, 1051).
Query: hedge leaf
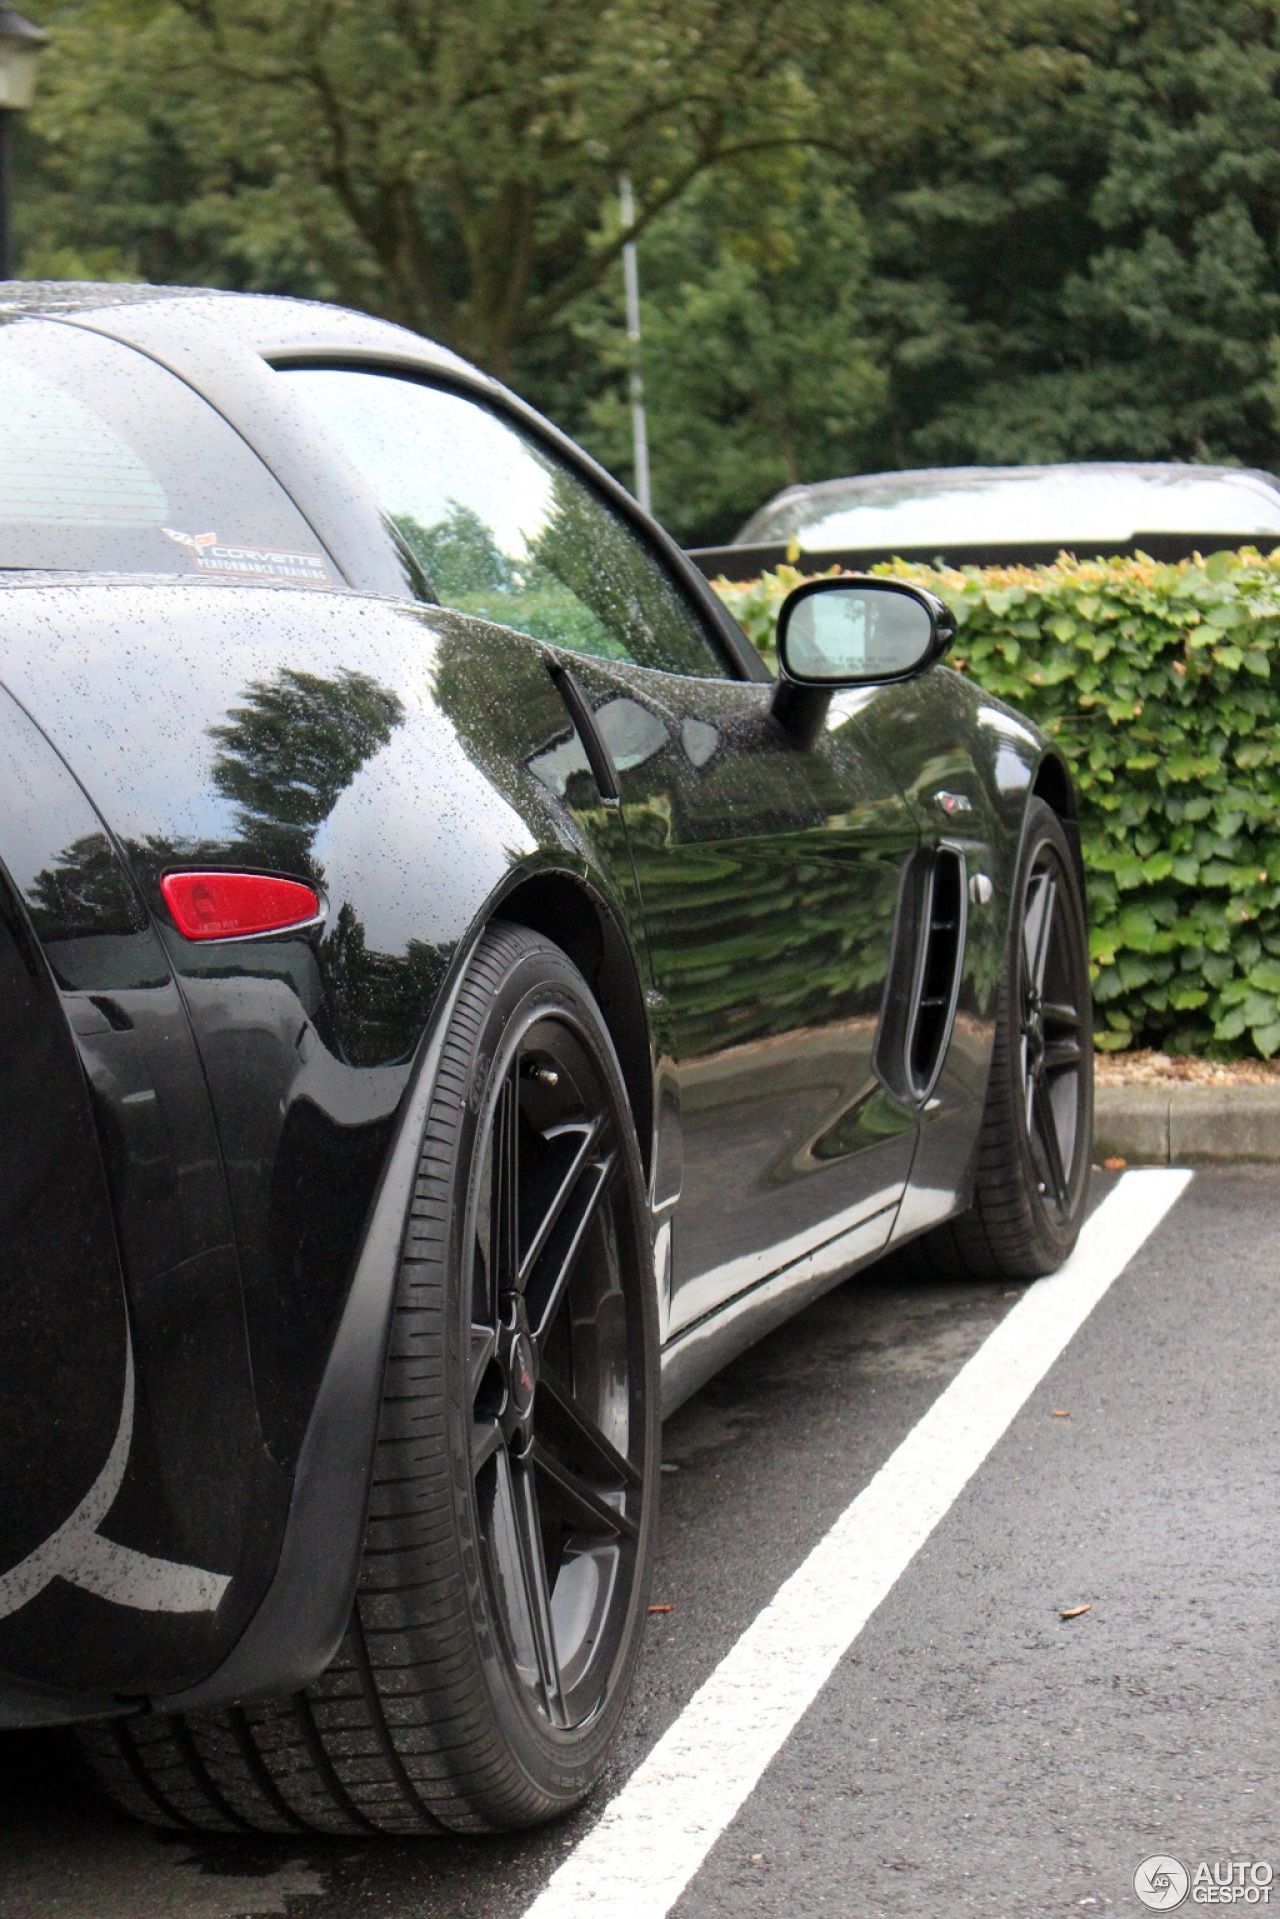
point(1156, 681)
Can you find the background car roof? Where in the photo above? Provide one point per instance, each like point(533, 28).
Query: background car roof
point(800, 508)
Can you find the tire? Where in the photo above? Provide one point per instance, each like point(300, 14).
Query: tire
point(512, 1513)
point(1036, 1139)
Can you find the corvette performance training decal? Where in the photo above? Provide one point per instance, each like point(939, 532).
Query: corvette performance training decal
point(209, 555)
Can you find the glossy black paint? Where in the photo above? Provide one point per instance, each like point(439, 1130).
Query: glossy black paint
point(128, 1117)
point(954, 743)
point(246, 1114)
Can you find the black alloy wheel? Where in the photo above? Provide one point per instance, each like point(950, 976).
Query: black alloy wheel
point(557, 1426)
point(1052, 997)
point(513, 1501)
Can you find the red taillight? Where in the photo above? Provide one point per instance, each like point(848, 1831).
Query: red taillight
point(223, 906)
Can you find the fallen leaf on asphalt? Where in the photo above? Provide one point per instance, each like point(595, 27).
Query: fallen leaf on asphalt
point(1059, 1414)
point(1073, 1612)
point(662, 1609)
point(1115, 1165)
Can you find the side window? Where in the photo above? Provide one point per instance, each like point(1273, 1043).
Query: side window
point(501, 528)
point(109, 464)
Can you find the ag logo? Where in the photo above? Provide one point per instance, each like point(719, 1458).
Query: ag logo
point(1162, 1882)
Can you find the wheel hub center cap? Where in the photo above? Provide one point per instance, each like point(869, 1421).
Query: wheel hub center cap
point(522, 1374)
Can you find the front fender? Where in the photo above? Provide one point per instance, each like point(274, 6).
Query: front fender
point(968, 765)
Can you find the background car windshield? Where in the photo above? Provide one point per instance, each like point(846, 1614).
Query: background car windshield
point(982, 505)
point(501, 528)
point(110, 464)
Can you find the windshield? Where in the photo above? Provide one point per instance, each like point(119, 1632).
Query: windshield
point(986, 505)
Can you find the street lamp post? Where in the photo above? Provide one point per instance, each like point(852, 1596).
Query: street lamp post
point(631, 284)
point(21, 45)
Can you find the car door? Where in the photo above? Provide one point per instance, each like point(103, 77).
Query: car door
point(767, 874)
point(768, 877)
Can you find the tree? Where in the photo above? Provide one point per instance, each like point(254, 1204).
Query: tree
point(447, 165)
point(758, 364)
point(1096, 273)
point(874, 233)
point(442, 164)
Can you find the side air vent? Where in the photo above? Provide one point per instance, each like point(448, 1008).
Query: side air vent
point(942, 927)
point(924, 974)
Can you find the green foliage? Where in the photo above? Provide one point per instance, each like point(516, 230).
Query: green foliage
point(1157, 681)
point(456, 168)
point(1081, 260)
point(873, 233)
point(458, 555)
point(1092, 271)
point(448, 166)
point(757, 366)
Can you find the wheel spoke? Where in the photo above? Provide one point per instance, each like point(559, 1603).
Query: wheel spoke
point(587, 1133)
point(562, 1254)
point(533, 1565)
point(505, 1222)
point(522, 1588)
point(1047, 1132)
point(588, 1508)
point(484, 1344)
point(1037, 929)
point(1057, 1014)
point(581, 1437)
point(486, 1438)
point(1060, 1054)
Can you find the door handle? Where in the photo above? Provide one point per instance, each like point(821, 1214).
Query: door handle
point(603, 770)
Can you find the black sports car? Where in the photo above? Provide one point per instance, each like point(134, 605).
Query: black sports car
point(453, 1000)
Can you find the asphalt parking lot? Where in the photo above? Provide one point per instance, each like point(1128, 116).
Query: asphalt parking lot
point(973, 1751)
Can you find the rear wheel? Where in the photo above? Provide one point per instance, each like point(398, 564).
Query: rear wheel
point(511, 1523)
point(1037, 1128)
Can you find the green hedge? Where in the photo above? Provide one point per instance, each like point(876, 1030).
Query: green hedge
point(1161, 684)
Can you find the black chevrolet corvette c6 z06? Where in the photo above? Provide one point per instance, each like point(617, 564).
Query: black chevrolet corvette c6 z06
point(454, 999)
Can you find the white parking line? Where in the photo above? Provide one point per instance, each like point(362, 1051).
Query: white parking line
point(652, 1838)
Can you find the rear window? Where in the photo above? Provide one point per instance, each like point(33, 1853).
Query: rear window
point(109, 464)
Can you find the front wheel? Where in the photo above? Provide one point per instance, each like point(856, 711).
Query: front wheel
point(513, 1504)
point(1036, 1141)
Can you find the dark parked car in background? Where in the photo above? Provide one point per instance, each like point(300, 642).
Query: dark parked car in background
point(1006, 515)
point(454, 1000)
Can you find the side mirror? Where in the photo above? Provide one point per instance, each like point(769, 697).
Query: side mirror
point(852, 632)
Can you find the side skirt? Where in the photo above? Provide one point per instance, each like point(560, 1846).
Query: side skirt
point(703, 1348)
